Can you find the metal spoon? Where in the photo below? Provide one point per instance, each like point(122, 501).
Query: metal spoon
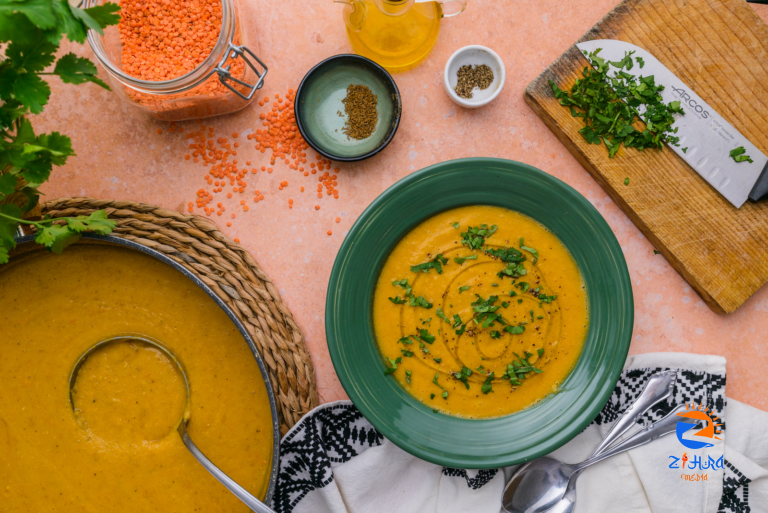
point(658, 388)
point(241, 493)
point(533, 487)
point(545, 485)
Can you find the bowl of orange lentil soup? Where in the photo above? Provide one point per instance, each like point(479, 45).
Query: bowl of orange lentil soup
point(110, 443)
point(180, 60)
point(348, 108)
point(479, 313)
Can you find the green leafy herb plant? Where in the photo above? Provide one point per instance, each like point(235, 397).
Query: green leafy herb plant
point(31, 31)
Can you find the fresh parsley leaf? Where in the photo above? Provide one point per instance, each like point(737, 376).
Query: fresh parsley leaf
point(626, 181)
point(455, 225)
point(463, 375)
point(529, 250)
point(403, 284)
point(462, 289)
point(495, 334)
point(419, 301)
point(392, 365)
point(408, 377)
point(406, 353)
point(461, 260)
point(437, 264)
point(461, 330)
point(540, 351)
point(474, 237)
point(442, 316)
point(426, 337)
point(487, 387)
point(77, 70)
point(524, 286)
point(738, 155)
point(434, 380)
point(397, 300)
point(685, 150)
point(514, 330)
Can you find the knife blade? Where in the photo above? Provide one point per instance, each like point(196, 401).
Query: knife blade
point(708, 137)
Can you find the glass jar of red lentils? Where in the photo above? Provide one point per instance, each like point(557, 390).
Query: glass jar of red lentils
point(180, 59)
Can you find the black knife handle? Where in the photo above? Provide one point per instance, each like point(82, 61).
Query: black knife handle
point(757, 1)
point(760, 190)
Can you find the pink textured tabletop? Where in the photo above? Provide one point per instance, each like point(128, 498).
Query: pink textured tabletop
point(121, 156)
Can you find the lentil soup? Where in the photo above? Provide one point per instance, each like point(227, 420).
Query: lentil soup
point(115, 455)
point(480, 312)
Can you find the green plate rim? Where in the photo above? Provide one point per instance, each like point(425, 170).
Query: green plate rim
point(413, 426)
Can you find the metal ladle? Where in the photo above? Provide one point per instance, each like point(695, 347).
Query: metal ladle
point(239, 492)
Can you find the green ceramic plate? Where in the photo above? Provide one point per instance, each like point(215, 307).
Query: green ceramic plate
point(471, 443)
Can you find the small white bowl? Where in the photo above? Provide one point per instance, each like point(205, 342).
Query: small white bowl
point(474, 55)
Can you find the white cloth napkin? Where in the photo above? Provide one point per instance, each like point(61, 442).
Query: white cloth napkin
point(334, 461)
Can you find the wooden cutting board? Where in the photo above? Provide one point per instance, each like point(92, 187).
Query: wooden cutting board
point(720, 49)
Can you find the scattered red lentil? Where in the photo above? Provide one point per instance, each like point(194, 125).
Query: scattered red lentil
point(338, 219)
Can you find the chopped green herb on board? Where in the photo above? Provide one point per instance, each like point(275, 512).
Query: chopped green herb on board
point(738, 155)
point(656, 252)
point(626, 181)
point(609, 106)
point(685, 150)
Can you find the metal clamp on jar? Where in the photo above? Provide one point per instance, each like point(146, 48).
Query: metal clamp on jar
point(226, 80)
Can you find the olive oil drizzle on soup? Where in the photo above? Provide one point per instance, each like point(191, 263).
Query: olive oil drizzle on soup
point(480, 312)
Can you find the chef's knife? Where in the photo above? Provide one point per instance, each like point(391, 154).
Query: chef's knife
point(708, 137)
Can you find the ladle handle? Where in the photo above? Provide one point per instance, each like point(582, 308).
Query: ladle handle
point(240, 492)
point(658, 388)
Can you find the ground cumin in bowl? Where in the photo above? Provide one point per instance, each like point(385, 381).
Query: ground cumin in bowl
point(348, 108)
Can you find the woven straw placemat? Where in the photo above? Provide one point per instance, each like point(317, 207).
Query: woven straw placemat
point(230, 271)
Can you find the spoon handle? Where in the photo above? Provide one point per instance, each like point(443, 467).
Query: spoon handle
point(658, 429)
point(658, 388)
point(240, 492)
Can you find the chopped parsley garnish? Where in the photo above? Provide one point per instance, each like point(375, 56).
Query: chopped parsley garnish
point(519, 369)
point(524, 286)
point(432, 396)
point(738, 155)
point(437, 264)
point(442, 316)
point(456, 321)
point(455, 225)
point(423, 348)
point(419, 301)
point(437, 360)
point(445, 392)
point(406, 340)
point(487, 387)
point(504, 304)
point(531, 315)
point(514, 330)
point(426, 337)
point(486, 311)
point(540, 351)
point(519, 301)
point(685, 150)
point(474, 237)
point(539, 316)
point(461, 260)
point(512, 293)
point(609, 106)
point(546, 299)
point(403, 284)
point(495, 334)
point(461, 330)
point(462, 289)
point(406, 353)
point(529, 250)
point(397, 300)
point(510, 256)
point(392, 365)
point(640, 61)
point(408, 377)
point(427, 321)
point(463, 375)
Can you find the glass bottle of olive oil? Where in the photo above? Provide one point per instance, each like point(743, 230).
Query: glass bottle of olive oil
point(397, 34)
